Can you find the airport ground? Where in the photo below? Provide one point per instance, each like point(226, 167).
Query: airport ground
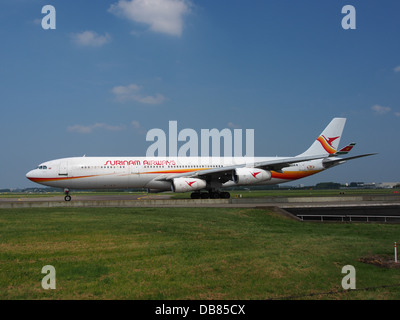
point(234, 194)
point(221, 252)
point(324, 205)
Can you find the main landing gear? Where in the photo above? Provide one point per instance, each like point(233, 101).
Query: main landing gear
point(67, 196)
point(210, 195)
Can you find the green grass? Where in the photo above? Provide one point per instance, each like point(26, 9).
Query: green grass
point(181, 253)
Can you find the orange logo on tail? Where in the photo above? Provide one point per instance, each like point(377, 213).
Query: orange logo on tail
point(330, 140)
point(327, 143)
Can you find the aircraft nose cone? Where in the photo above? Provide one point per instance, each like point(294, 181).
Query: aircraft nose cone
point(29, 175)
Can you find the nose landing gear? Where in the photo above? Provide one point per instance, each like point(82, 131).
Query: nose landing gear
point(67, 196)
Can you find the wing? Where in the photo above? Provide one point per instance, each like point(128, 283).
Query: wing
point(330, 162)
point(346, 149)
point(224, 174)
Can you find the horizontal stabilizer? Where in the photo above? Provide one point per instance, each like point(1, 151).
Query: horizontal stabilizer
point(346, 149)
point(327, 162)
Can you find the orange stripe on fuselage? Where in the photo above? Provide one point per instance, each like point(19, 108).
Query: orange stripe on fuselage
point(39, 180)
point(293, 175)
point(175, 171)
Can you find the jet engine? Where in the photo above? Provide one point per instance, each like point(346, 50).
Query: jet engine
point(187, 184)
point(246, 176)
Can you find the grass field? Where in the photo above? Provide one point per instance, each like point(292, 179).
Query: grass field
point(196, 253)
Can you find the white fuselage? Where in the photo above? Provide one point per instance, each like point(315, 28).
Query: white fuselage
point(145, 172)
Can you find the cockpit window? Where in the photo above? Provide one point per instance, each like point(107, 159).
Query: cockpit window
point(42, 167)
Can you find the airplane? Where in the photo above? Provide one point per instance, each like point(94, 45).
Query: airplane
point(193, 174)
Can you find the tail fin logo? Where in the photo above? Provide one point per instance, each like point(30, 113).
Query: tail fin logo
point(330, 140)
point(327, 143)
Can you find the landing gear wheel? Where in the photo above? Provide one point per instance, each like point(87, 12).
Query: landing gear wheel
point(67, 196)
point(204, 195)
point(225, 195)
point(214, 195)
point(195, 195)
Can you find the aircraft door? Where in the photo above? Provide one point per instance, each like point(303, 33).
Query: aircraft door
point(134, 176)
point(63, 169)
point(134, 169)
point(302, 166)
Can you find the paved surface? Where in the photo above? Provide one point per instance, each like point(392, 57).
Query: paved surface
point(163, 200)
point(77, 197)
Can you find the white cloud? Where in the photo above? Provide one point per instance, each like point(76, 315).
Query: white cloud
point(233, 125)
point(132, 92)
point(397, 114)
point(163, 16)
point(397, 69)
point(89, 128)
point(136, 124)
point(138, 127)
point(380, 109)
point(90, 39)
point(37, 22)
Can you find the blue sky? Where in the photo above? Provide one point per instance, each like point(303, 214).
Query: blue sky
point(112, 70)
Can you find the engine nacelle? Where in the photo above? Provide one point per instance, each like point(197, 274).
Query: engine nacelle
point(250, 176)
point(187, 184)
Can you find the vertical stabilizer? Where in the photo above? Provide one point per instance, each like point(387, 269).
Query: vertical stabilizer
point(328, 140)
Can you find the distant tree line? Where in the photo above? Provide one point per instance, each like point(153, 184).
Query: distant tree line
point(327, 185)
